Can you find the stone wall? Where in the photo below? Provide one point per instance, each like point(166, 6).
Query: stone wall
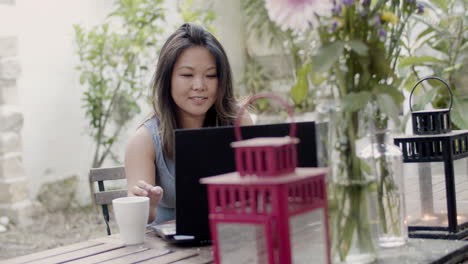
point(7, 2)
point(14, 192)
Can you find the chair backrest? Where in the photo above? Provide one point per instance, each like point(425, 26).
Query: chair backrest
point(103, 197)
point(107, 174)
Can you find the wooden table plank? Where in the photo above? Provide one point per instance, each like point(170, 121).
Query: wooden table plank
point(78, 254)
point(205, 253)
point(196, 260)
point(109, 255)
point(52, 252)
point(171, 257)
point(116, 239)
point(140, 256)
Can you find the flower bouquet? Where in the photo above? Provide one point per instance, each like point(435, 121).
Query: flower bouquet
point(356, 57)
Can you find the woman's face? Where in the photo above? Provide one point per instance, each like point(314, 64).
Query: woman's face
point(194, 82)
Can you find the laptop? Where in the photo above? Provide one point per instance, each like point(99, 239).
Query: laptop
point(207, 152)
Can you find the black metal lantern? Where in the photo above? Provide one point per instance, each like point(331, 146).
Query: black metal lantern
point(432, 145)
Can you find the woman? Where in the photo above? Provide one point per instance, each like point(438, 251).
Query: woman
point(192, 88)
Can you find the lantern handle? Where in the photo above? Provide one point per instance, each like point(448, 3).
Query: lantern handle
point(292, 130)
point(428, 78)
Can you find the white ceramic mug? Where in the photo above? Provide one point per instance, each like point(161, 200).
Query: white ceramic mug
point(131, 214)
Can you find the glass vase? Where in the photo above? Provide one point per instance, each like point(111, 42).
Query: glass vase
point(352, 192)
point(385, 161)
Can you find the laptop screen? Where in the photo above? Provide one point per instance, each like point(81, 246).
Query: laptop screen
point(207, 152)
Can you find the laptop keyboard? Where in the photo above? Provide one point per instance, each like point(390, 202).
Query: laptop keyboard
point(165, 229)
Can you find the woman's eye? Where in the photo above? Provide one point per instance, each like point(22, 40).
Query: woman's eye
point(186, 75)
point(212, 76)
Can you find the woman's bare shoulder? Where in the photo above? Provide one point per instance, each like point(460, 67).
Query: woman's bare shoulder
point(140, 143)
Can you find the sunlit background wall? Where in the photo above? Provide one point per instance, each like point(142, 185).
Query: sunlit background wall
point(54, 138)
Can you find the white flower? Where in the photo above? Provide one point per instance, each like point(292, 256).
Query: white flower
point(297, 14)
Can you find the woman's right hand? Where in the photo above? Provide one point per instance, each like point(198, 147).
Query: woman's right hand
point(154, 193)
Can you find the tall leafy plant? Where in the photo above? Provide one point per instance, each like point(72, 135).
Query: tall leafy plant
point(259, 26)
point(437, 43)
point(358, 53)
point(200, 14)
point(256, 77)
point(114, 59)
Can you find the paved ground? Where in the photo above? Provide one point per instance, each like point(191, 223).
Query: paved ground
point(52, 230)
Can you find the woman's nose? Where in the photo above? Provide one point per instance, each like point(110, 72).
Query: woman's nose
point(198, 84)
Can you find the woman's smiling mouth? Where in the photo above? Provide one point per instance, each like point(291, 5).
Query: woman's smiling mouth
point(198, 99)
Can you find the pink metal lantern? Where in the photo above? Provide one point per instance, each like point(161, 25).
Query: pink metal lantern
point(269, 211)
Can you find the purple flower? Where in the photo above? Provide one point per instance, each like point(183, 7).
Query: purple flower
point(377, 21)
point(336, 10)
point(420, 8)
point(334, 26)
point(348, 2)
point(382, 32)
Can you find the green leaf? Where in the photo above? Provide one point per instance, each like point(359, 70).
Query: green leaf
point(453, 68)
point(434, 26)
point(327, 56)
point(380, 66)
point(359, 47)
point(409, 82)
point(458, 113)
point(82, 78)
point(424, 99)
point(411, 60)
point(428, 30)
point(388, 106)
point(396, 94)
point(299, 91)
point(443, 4)
point(465, 46)
point(317, 78)
point(365, 168)
point(262, 104)
point(355, 101)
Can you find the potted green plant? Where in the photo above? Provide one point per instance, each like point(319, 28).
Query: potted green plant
point(114, 59)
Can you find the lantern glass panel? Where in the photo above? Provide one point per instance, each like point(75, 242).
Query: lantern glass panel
point(461, 187)
point(425, 193)
point(242, 243)
point(426, 197)
point(308, 237)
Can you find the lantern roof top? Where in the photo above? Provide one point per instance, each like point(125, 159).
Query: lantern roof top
point(444, 135)
point(235, 178)
point(432, 110)
point(265, 142)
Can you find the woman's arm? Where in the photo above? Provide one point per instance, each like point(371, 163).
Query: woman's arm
point(140, 169)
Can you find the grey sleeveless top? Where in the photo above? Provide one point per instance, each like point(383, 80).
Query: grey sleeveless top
point(164, 176)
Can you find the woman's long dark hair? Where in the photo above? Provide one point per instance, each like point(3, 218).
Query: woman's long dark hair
point(224, 110)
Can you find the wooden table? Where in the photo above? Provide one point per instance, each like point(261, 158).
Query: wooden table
point(109, 250)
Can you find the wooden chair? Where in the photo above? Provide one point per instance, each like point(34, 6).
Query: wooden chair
point(103, 197)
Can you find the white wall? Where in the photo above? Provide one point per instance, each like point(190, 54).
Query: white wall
point(230, 31)
point(55, 141)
